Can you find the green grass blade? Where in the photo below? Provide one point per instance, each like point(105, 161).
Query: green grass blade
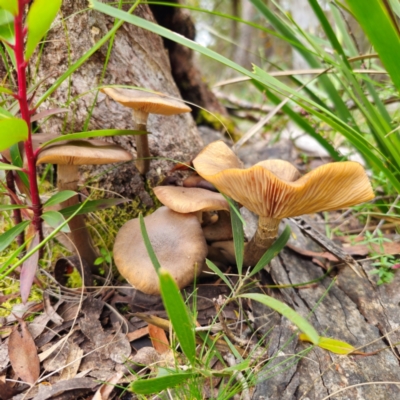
point(375, 19)
point(273, 251)
point(178, 314)
point(157, 385)
point(220, 274)
point(149, 247)
point(287, 312)
point(91, 134)
point(176, 309)
point(307, 55)
point(91, 206)
point(238, 235)
point(7, 237)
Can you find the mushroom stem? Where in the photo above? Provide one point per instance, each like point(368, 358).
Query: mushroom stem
point(142, 143)
point(67, 179)
point(266, 233)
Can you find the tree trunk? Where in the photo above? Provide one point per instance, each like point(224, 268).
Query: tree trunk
point(184, 70)
point(138, 58)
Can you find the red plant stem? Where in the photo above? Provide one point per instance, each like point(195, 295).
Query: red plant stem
point(26, 116)
point(16, 213)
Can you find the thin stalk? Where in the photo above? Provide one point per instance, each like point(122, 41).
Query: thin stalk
point(17, 212)
point(26, 115)
point(267, 232)
point(142, 143)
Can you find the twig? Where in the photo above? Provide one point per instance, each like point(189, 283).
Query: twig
point(238, 376)
point(382, 221)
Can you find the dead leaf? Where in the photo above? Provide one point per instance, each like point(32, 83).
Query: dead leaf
point(23, 354)
point(139, 333)
point(7, 391)
point(158, 339)
point(28, 270)
point(103, 393)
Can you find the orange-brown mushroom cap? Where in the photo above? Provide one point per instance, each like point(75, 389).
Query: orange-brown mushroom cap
point(329, 187)
point(83, 152)
point(177, 240)
point(151, 103)
point(187, 200)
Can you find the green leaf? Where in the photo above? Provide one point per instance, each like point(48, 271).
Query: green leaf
point(90, 134)
point(92, 206)
point(5, 90)
point(176, 309)
point(5, 114)
point(9, 167)
point(55, 219)
point(39, 19)
point(6, 26)
point(8, 207)
point(59, 198)
point(273, 251)
point(287, 312)
point(238, 235)
point(157, 385)
point(378, 25)
point(10, 5)
point(12, 130)
point(178, 314)
point(7, 237)
point(333, 345)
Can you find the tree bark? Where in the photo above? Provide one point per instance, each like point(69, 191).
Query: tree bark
point(138, 58)
point(351, 309)
point(184, 70)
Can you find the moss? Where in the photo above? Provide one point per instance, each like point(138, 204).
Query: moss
point(74, 279)
point(218, 122)
point(11, 286)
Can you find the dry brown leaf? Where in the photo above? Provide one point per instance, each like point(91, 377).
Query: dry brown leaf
point(23, 354)
point(7, 391)
point(158, 339)
point(139, 333)
point(104, 392)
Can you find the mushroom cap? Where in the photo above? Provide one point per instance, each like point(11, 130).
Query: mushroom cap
point(177, 240)
point(151, 103)
point(37, 141)
point(82, 152)
point(187, 200)
point(329, 187)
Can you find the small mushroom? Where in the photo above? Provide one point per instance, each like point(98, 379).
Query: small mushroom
point(273, 191)
point(187, 200)
point(68, 155)
point(142, 104)
point(177, 240)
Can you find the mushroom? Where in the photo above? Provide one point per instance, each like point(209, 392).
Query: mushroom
point(273, 190)
point(68, 155)
point(187, 200)
point(142, 104)
point(177, 240)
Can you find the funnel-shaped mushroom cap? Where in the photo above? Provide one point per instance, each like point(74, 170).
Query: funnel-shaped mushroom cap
point(177, 240)
point(83, 152)
point(186, 200)
point(152, 103)
point(329, 187)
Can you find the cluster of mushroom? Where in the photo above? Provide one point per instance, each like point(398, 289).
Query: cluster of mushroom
point(272, 189)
